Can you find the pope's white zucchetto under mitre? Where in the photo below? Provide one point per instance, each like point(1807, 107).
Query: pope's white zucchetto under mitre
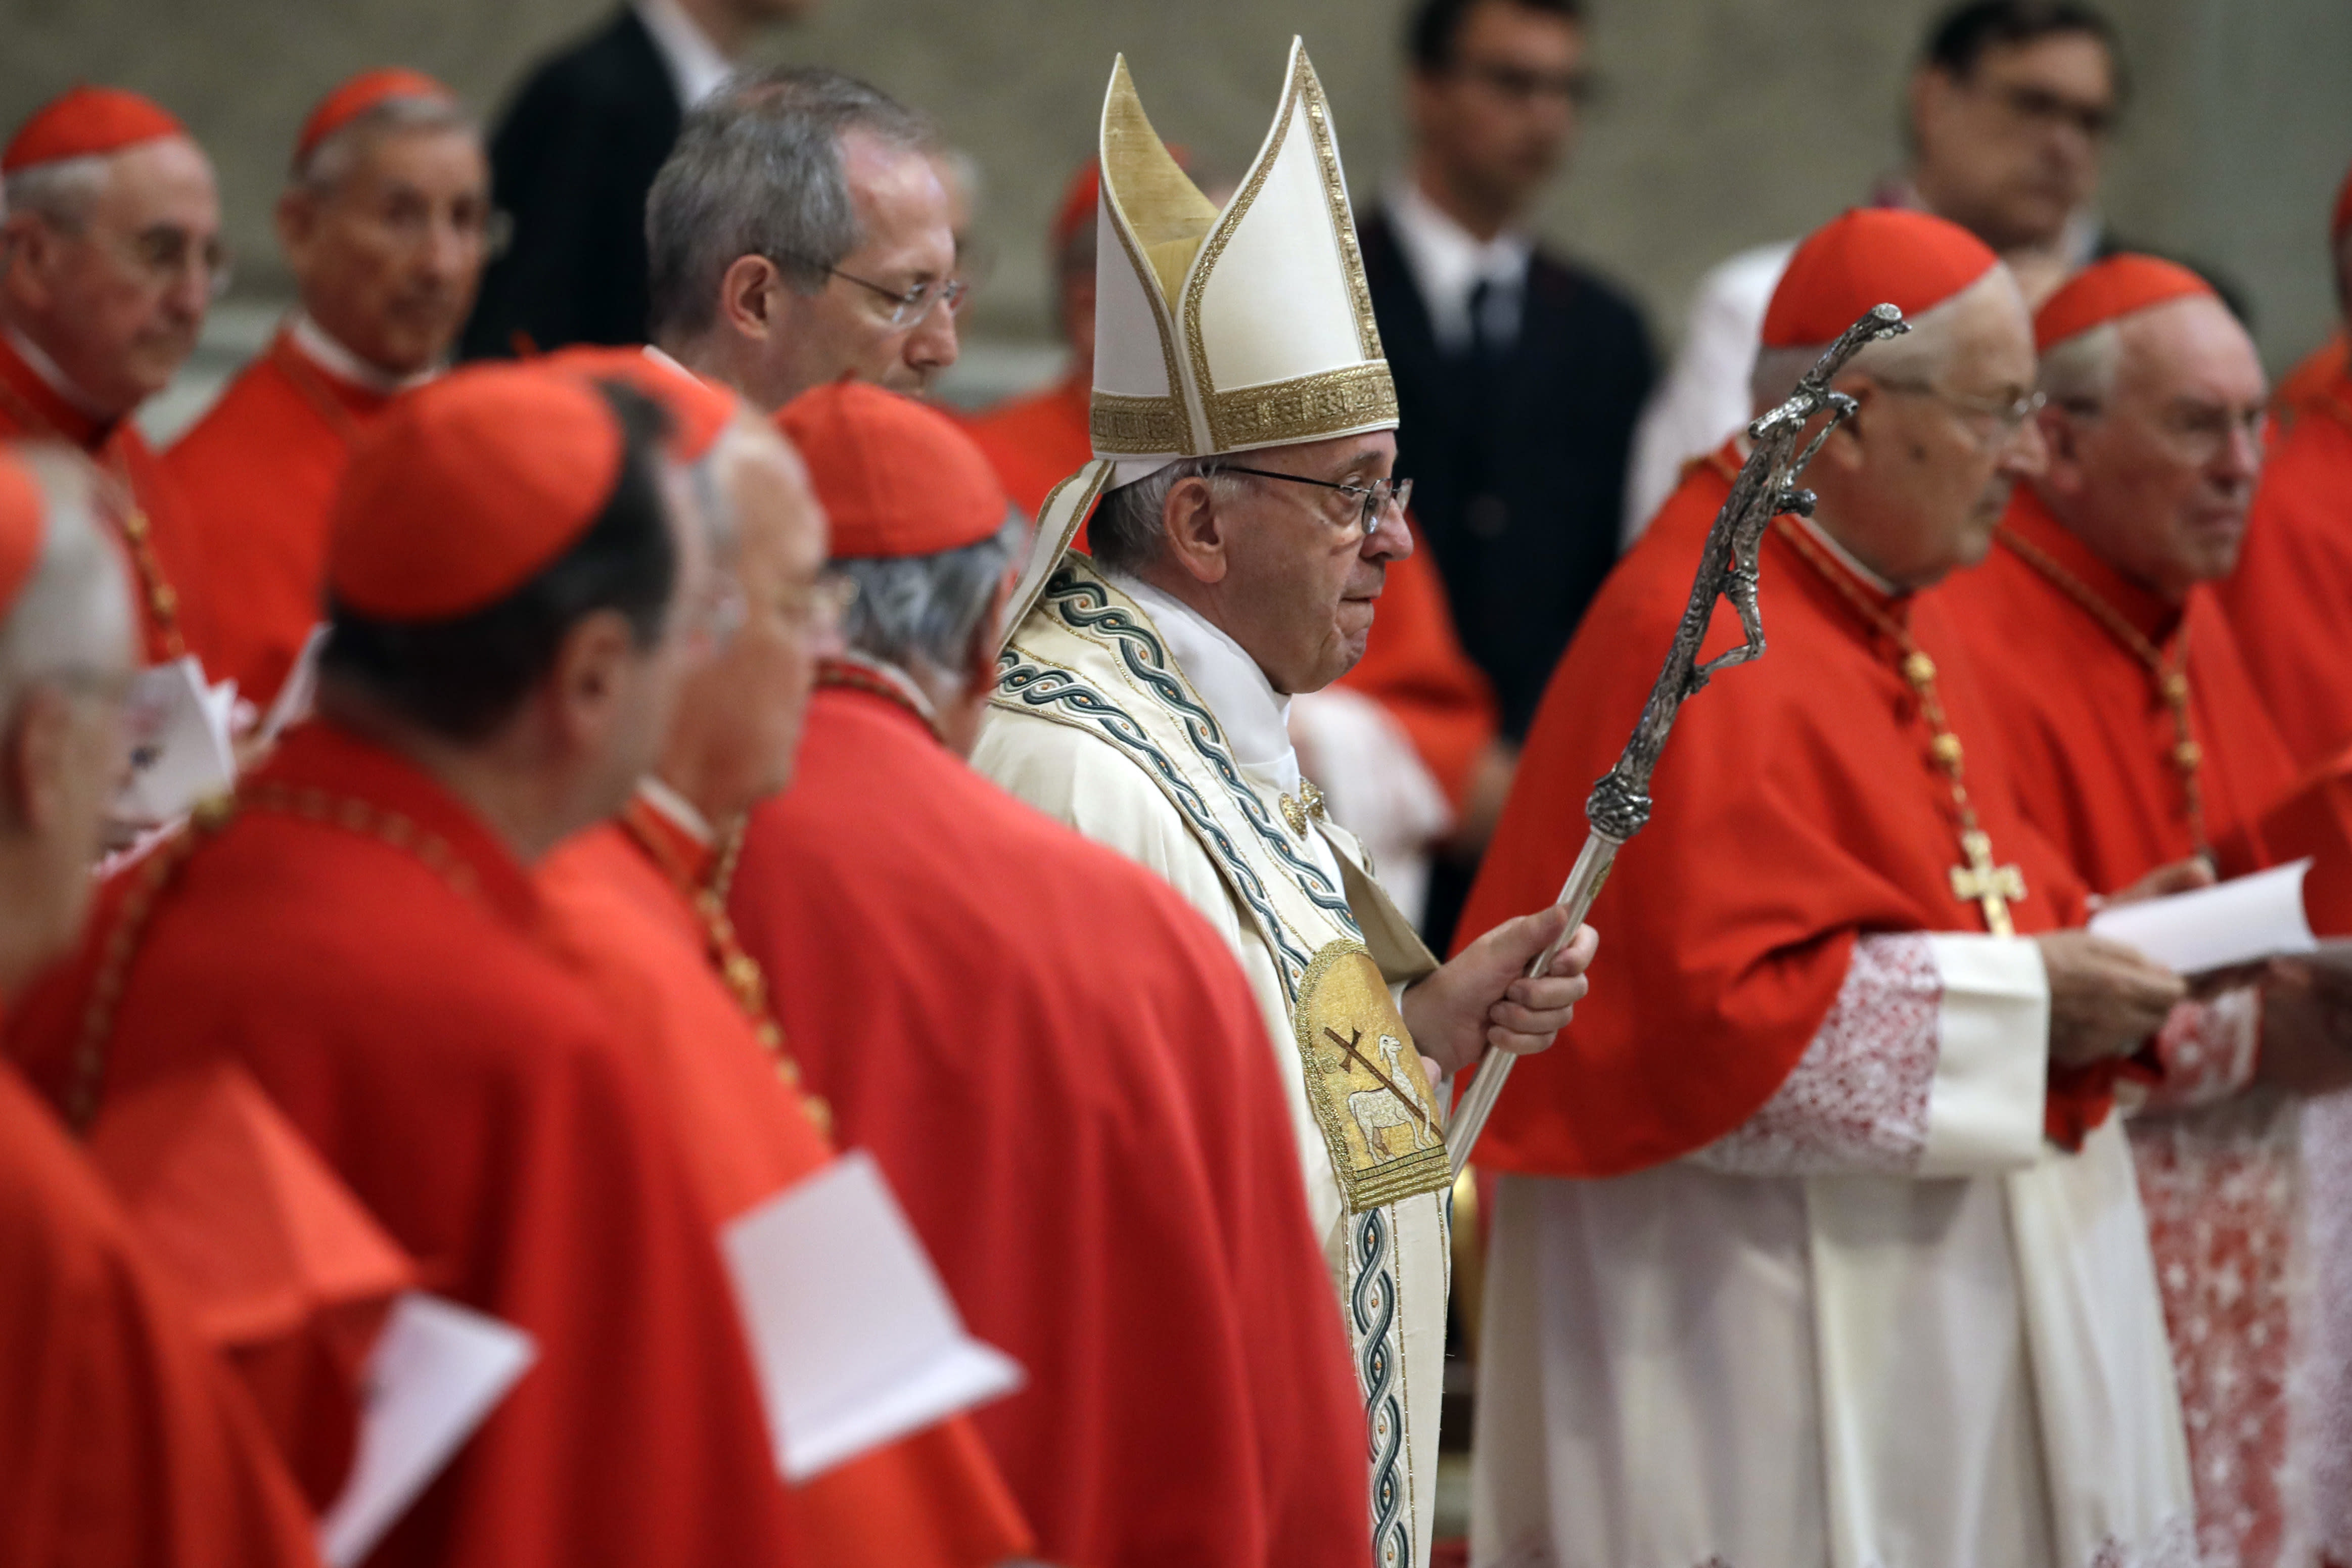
point(1226, 330)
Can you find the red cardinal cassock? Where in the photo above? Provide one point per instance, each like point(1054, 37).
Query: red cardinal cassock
point(1065, 1078)
point(1821, 1266)
point(364, 944)
point(630, 903)
point(2140, 738)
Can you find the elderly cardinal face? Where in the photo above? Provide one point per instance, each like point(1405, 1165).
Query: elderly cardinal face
point(118, 295)
point(389, 256)
point(1301, 570)
point(2159, 477)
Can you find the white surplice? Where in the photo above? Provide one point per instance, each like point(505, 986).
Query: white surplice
point(1883, 1325)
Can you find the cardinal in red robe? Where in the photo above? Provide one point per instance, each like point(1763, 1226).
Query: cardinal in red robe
point(2141, 742)
point(381, 303)
point(359, 930)
point(2290, 598)
point(100, 308)
point(1823, 1104)
point(1057, 1064)
point(633, 901)
point(124, 1442)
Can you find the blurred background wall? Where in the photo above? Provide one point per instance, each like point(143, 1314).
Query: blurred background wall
point(1721, 124)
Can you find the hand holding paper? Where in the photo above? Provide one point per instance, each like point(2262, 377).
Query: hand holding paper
point(2239, 921)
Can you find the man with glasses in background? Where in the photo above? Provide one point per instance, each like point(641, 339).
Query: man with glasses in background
point(1519, 374)
point(111, 254)
point(2008, 117)
point(801, 233)
point(386, 224)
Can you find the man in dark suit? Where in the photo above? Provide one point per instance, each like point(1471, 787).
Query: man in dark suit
point(575, 157)
point(1519, 374)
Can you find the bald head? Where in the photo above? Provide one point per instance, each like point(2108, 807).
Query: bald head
point(2155, 429)
point(66, 652)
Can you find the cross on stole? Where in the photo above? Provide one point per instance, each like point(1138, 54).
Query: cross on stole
point(1348, 1048)
point(1993, 887)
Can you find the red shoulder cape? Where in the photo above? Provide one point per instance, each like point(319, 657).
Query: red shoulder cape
point(2090, 737)
point(1068, 1081)
point(1797, 807)
point(931, 1500)
point(123, 1441)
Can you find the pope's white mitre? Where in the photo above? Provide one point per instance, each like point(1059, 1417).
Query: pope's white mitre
point(1216, 330)
point(1221, 331)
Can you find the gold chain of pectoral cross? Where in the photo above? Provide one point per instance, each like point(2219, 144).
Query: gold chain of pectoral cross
point(740, 973)
point(1990, 887)
point(138, 535)
point(2170, 674)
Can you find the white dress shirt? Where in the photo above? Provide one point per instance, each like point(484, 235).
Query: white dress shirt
point(696, 67)
point(1448, 262)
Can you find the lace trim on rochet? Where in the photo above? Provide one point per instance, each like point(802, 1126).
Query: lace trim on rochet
point(1856, 1101)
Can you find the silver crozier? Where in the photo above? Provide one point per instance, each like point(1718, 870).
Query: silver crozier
point(1620, 803)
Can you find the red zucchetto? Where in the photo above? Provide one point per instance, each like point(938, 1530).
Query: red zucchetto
point(699, 410)
point(368, 91)
point(1871, 256)
point(22, 528)
point(897, 478)
point(467, 488)
point(85, 122)
point(2108, 290)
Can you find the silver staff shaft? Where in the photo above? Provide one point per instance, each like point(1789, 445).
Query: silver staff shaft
point(1575, 896)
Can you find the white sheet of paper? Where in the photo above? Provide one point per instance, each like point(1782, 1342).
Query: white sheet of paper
point(180, 750)
point(435, 1372)
point(294, 694)
point(2236, 922)
point(856, 1342)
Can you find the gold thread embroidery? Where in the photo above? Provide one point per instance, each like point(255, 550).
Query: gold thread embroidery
point(1162, 318)
point(1213, 249)
point(1307, 408)
point(1343, 217)
point(1140, 425)
point(1364, 1081)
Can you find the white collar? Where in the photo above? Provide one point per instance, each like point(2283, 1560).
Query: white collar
point(680, 812)
point(56, 379)
point(337, 361)
point(1254, 716)
point(1448, 260)
point(1845, 557)
point(898, 679)
point(696, 68)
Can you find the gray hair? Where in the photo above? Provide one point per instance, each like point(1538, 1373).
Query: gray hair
point(1126, 534)
point(62, 189)
point(73, 617)
point(1917, 357)
point(925, 609)
point(330, 163)
point(2079, 373)
point(758, 171)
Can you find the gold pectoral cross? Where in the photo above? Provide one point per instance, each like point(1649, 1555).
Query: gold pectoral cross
point(1981, 882)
